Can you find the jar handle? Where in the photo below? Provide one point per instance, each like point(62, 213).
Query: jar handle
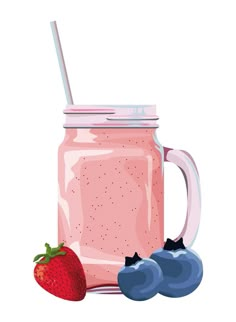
point(188, 167)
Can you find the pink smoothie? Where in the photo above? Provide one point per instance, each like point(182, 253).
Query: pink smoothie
point(110, 197)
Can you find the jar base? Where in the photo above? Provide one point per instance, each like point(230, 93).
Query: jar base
point(106, 289)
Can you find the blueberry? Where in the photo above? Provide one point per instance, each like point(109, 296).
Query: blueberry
point(140, 279)
point(182, 269)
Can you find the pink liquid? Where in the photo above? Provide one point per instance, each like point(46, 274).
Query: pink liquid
point(110, 198)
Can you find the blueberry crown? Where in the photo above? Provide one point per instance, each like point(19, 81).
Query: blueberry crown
point(132, 260)
point(174, 245)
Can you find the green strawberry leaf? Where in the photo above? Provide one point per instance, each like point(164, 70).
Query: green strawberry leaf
point(37, 257)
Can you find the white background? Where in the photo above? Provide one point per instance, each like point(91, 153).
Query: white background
point(179, 55)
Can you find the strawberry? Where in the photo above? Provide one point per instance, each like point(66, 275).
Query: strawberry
point(61, 273)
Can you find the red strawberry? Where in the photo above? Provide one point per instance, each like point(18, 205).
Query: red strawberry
point(61, 273)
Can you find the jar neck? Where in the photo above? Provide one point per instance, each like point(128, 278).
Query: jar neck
point(93, 135)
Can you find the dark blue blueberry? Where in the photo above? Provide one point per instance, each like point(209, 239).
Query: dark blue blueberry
point(140, 279)
point(182, 270)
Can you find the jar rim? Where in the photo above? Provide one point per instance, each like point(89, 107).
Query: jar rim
point(104, 109)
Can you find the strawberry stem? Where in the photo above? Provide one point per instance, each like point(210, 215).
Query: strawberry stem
point(50, 253)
